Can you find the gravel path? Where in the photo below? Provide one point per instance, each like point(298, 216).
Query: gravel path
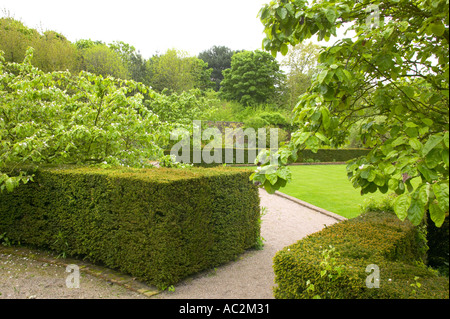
point(250, 277)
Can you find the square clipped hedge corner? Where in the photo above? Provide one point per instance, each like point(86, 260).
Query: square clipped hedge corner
point(337, 263)
point(159, 225)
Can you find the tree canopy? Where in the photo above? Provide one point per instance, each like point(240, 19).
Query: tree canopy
point(254, 77)
point(391, 77)
point(175, 71)
point(219, 59)
point(60, 118)
point(301, 62)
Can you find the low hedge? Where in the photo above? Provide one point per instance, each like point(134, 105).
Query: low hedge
point(332, 155)
point(332, 263)
point(249, 156)
point(159, 225)
point(322, 155)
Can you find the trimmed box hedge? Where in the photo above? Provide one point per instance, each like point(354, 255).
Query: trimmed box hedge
point(332, 263)
point(332, 155)
point(159, 225)
point(322, 155)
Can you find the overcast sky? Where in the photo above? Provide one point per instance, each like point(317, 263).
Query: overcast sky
point(150, 26)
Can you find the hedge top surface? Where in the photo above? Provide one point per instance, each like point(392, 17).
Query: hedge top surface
point(146, 174)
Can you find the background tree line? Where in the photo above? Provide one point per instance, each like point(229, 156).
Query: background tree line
point(249, 78)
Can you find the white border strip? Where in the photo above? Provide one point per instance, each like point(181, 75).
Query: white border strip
point(310, 206)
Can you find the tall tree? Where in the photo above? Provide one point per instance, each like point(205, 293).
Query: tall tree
point(395, 67)
point(301, 63)
point(15, 38)
point(176, 72)
point(219, 59)
point(132, 59)
point(60, 118)
point(253, 78)
point(53, 52)
point(102, 60)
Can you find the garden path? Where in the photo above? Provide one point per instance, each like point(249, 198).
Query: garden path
point(30, 274)
point(286, 220)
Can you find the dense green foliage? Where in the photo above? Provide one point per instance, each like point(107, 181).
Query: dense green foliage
point(219, 59)
point(301, 64)
point(53, 52)
point(176, 72)
point(392, 78)
point(331, 264)
point(253, 78)
point(102, 60)
point(159, 225)
point(80, 119)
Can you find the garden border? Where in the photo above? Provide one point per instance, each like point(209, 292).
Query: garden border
point(310, 206)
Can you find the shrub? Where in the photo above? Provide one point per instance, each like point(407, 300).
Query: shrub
point(159, 225)
point(274, 118)
point(332, 263)
point(256, 122)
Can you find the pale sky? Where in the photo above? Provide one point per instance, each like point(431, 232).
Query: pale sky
point(150, 26)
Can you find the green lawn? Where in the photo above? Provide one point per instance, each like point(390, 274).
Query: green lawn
point(326, 186)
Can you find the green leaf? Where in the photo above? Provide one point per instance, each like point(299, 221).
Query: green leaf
point(325, 117)
point(437, 29)
point(437, 214)
point(269, 187)
point(284, 49)
point(432, 142)
point(388, 32)
point(403, 26)
point(428, 122)
point(379, 180)
point(422, 194)
point(330, 14)
point(433, 158)
point(282, 13)
point(322, 137)
point(399, 141)
point(415, 144)
point(416, 212)
point(409, 91)
point(301, 139)
point(322, 76)
point(272, 178)
point(441, 191)
point(10, 184)
point(429, 174)
point(372, 175)
point(401, 206)
point(389, 169)
point(284, 173)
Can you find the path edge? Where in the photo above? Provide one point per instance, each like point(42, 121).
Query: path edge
point(310, 206)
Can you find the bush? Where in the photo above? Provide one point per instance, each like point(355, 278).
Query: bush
point(159, 225)
point(274, 118)
point(256, 122)
point(332, 263)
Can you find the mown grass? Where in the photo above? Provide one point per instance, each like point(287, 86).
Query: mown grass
point(327, 187)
